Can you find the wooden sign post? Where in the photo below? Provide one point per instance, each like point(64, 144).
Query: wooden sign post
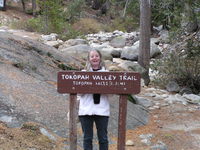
point(122, 83)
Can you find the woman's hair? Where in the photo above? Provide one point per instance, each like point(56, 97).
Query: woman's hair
point(88, 65)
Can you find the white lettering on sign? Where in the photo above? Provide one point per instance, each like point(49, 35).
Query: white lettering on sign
point(82, 83)
point(75, 77)
point(102, 83)
point(125, 77)
point(110, 83)
point(101, 77)
point(120, 83)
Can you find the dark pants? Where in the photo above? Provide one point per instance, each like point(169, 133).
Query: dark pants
point(87, 127)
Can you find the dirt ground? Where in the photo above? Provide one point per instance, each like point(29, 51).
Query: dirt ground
point(176, 130)
point(176, 125)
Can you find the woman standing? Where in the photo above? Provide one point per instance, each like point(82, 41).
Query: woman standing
point(94, 108)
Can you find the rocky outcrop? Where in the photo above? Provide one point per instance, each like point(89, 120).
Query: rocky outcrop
point(28, 77)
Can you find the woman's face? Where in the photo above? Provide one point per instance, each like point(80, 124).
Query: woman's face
point(94, 59)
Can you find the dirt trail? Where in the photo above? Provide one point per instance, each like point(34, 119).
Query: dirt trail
point(176, 125)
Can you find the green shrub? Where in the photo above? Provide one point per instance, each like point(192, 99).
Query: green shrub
point(66, 67)
point(73, 10)
point(33, 25)
point(131, 99)
point(193, 48)
point(180, 68)
point(52, 19)
point(127, 24)
point(87, 26)
point(167, 14)
point(69, 33)
point(134, 8)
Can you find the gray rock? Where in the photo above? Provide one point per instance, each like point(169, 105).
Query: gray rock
point(27, 55)
point(33, 99)
point(192, 98)
point(51, 37)
point(172, 86)
point(114, 68)
point(117, 32)
point(159, 146)
point(146, 141)
point(131, 53)
point(155, 51)
point(133, 66)
point(55, 44)
point(143, 101)
point(130, 143)
point(116, 54)
point(72, 42)
point(28, 83)
point(185, 90)
point(164, 36)
point(77, 51)
point(100, 46)
point(176, 98)
point(146, 136)
point(6, 119)
point(106, 56)
point(118, 42)
point(136, 115)
point(46, 133)
point(158, 28)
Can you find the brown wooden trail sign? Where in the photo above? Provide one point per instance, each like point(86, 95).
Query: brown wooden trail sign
point(122, 83)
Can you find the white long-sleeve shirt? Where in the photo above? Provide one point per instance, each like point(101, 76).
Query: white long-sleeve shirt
point(87, 106)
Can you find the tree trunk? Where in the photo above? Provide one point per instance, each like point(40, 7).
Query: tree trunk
point(23, 6)
point(34, 7)
point(127, 1)
point(46, 19)
point(105, 7)
point(145, 31)
point(96, 4)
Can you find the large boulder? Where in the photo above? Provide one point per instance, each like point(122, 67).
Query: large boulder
point(118, 42)
point(72, 42)
point(80, 51)
point(29, 56)
point(132, 52)
point(137, 115)
point(132, 66)
point(28, 77)
point(28, 88)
